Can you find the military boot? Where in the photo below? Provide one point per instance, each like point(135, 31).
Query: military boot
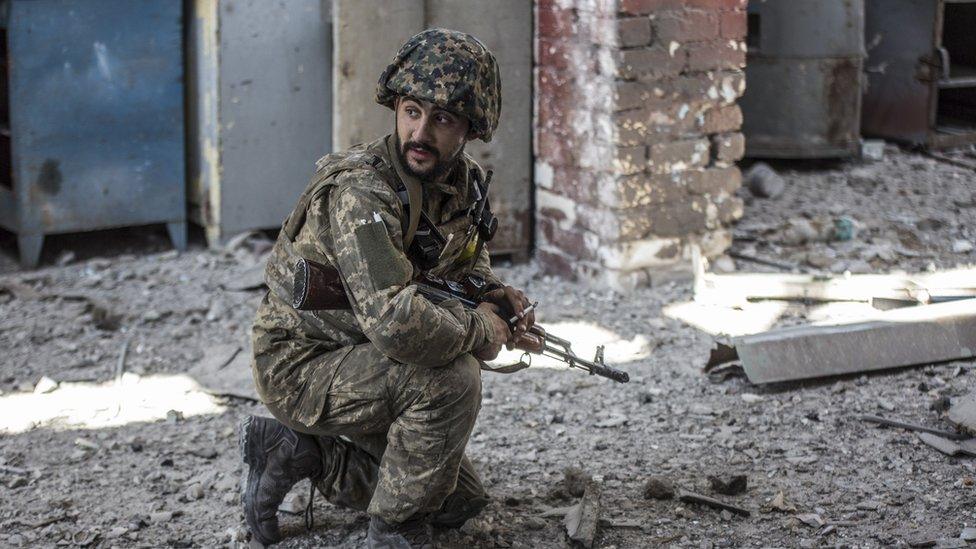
point(404, 535)
point(275, 459)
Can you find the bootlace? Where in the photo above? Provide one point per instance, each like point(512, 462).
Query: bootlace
point(309, 511)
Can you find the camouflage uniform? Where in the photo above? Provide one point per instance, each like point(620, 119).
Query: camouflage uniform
point(394, 375)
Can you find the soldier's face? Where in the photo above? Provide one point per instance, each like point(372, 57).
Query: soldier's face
point(430, 139)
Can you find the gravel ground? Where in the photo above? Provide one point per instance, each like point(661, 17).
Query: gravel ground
point(93, 458)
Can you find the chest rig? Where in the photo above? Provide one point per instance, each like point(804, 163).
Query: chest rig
point(422, 240)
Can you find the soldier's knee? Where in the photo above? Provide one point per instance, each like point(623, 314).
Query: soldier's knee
point(460, 383)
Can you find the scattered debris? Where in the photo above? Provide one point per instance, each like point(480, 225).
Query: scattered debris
point(949, 447)
point(574, 482)
point(658, 488)
point(778, 503)
point(45, 385)
point(731, 486)
point(294, 503)
point(583, 519)
point(811, 519)
point(910, 426)
point(962, 413)
point(739, 288)
point(691, 497)
point(872, 149)
point(763, 181)
point(902, 337)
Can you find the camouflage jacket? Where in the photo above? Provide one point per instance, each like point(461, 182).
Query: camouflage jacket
point(350, 217)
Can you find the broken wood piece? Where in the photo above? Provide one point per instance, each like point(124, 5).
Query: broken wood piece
point(962, 413)
point(583, 519)
point(738, 288)
point(926, 334)
point(911, 426)
point(943, 445)
point(7, 469)
point(691, 497)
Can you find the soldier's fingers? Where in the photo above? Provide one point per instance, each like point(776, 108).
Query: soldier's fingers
point(513, 300)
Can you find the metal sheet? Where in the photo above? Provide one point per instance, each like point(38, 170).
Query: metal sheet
point(812, 30)
point(904, 337)
point(96, 103)
point(802, 108)
point(275, 106)
point(803, 74)
point(897, 104)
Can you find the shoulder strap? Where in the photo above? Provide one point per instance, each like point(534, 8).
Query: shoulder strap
point(325, 176)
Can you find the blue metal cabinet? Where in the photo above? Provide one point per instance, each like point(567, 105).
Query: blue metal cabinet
point(96, 118)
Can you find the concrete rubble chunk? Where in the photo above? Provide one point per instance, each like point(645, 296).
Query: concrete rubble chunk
point(889, 339)
point(658, 488)
point(583, 519)
point(962, 413)
point(763, 181)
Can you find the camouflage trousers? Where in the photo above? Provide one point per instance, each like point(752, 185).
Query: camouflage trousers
point(404, 431)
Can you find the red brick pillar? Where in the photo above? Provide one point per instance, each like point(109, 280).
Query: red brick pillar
point(637, 134)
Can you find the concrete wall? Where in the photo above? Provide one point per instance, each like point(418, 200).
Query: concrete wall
point(367, 36)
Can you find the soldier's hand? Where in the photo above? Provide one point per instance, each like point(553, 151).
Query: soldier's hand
point(513, 300)
point(500, 332)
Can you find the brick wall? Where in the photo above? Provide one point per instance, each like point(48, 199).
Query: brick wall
point(637, 134)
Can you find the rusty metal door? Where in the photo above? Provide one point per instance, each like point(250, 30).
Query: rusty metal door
point(803, 79)
point(899, 98)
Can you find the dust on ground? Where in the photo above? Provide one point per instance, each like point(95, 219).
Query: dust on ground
point(122, 445)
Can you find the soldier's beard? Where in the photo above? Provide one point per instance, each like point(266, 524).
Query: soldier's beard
point(436, 172)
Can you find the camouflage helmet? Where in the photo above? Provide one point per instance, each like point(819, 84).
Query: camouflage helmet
point(452, 70)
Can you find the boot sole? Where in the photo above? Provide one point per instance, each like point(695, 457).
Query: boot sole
point(254, 465)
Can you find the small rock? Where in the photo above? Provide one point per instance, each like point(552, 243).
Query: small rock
point(45, 385)
point(723, 264)
point(174, 416)
point(194, 492)
point(534, 523)
point(86, 444)
point(968, 534)
point(17, 482)
point(779, 503)
point(763, 181)
point(294, 503)
point(160, 517)
point(820, 259)
point(658, 488)
point(66, 257)
point(807, 543)
point(872, 149)
point(205, 453)
point(811, 519)
point(868, 505)
point(751, 398)
point(729, 486)
point(116, 532)
point(575, 481)
point(962, 246)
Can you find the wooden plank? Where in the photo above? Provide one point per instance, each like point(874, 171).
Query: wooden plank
point(734, 289)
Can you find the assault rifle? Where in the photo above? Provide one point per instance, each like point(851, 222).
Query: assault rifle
point(319, 287)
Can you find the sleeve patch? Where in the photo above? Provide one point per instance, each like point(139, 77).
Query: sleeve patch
point(379, 254)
